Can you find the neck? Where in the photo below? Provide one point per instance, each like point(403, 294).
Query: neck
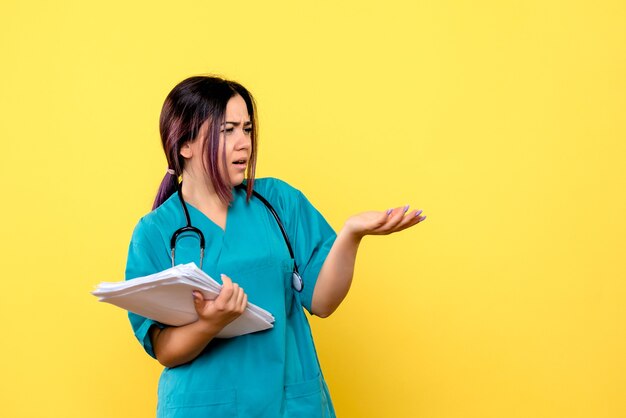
point(198, 191)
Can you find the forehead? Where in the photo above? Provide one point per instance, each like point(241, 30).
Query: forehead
point(236, 110)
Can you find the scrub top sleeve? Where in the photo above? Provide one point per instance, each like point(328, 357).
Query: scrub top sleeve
point(141, 262)
point(314, 238)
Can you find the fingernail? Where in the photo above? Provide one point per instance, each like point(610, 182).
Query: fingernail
point(418, 212)
point(422, 218)
point(406, 208)
point(389, 211)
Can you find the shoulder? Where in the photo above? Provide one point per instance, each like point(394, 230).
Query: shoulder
point(277, 191)
point(287, 200)
point(151, 225)
point(269, 185)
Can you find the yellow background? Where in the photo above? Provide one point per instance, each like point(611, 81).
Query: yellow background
point(504, 120)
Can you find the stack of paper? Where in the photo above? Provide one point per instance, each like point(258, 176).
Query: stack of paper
point(167, 298)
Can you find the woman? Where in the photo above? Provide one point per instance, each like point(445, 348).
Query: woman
point(208, 129)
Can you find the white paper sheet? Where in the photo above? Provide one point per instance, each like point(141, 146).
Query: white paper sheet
point(167, 297)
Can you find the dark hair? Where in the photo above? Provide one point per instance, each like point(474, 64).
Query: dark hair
point(192, 102)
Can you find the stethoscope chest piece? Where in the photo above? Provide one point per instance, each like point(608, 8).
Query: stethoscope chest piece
point(296, 281)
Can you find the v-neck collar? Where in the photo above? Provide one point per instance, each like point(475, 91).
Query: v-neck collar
point(197, 214)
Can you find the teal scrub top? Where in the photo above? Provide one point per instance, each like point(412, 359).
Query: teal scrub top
point(273, 373)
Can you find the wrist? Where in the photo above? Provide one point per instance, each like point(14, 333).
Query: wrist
point(208, 327)
point(350, 234)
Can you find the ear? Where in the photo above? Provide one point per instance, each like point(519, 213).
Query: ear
point(185, 150)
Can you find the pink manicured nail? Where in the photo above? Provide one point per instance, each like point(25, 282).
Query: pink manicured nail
point(406, 208)
point(422, 218)
point(389, 211)
point(418, 212)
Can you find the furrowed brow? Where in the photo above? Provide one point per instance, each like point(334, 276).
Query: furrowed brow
point(247, 123)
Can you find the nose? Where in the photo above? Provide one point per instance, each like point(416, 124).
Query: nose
point(243, 141)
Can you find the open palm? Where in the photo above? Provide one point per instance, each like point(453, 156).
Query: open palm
point(383, 223)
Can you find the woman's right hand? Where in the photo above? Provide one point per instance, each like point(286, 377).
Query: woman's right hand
point(174, 346)
point(228, 306)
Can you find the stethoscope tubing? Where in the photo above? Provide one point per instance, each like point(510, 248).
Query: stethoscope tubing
point(297, 282)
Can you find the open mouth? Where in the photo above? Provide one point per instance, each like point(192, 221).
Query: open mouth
point(240, 162)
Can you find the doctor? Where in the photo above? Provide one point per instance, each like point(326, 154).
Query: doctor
point(208, 131)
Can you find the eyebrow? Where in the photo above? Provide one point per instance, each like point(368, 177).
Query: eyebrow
point(238, 123)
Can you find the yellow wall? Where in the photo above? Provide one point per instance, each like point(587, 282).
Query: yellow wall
point(505, 121)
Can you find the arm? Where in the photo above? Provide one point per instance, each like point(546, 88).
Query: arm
point(174, 346)
point(335, 277)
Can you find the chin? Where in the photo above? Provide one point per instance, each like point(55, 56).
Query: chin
point(237, 180)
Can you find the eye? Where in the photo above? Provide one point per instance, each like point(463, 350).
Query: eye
point(228, 129)
point(247, 130)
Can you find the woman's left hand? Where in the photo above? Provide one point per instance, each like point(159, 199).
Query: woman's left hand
point(383, 223)
point(336, 274)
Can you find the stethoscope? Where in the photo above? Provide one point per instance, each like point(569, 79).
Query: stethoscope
point(296, 280)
